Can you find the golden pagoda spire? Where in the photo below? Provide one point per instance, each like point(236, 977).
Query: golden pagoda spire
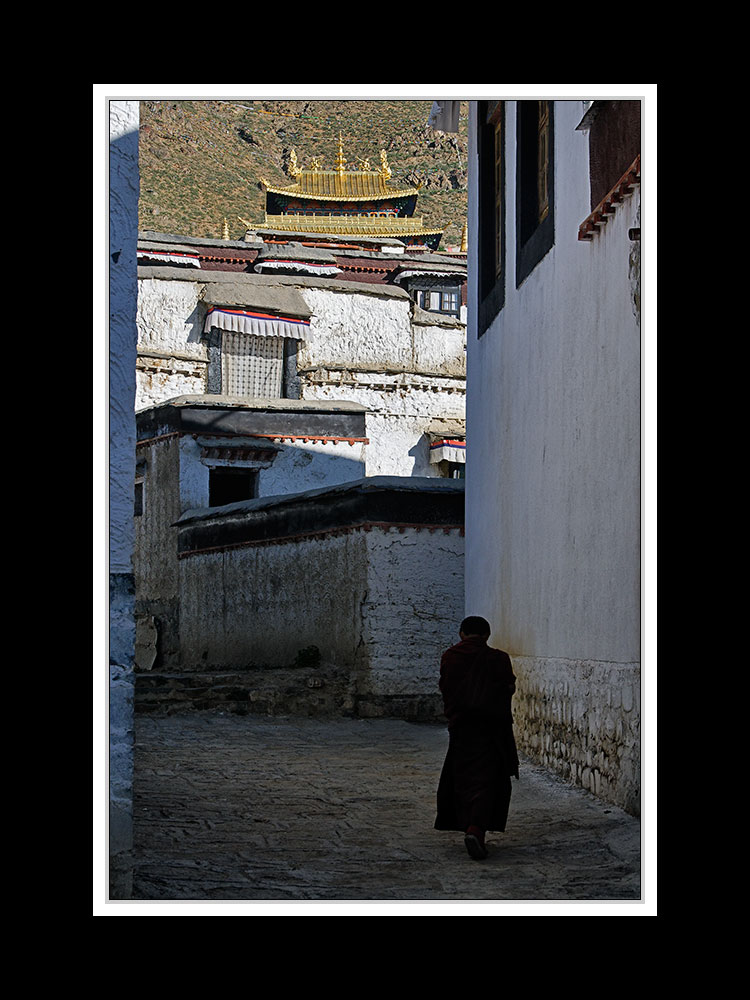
point(225, 229)
point(340, 161)
point(293, 168)
point(465, 238)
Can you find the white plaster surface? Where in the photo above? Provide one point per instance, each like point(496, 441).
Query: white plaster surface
point(400, 407)
point(297, 466)
point(363, 347)
point(124, 187)
point(170, 317)
point(160, 379)
point(360, 328)
point(553, 471)
point(413, 608)
point(123, 200)
point(261, 605)
point(380, 605)
point(553, 482)
point(300, 466)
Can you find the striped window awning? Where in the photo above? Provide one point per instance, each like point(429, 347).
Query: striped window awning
point(448, 450)
point(296, 267)
point(169, 257)
point(256, 324)
point(457, 276)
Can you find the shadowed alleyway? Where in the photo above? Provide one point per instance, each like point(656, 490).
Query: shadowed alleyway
point(231, 808)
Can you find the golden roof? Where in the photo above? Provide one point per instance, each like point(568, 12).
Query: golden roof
point(341, 183)
point(350, 225)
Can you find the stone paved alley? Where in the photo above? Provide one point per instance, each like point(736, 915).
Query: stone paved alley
point(234, 808)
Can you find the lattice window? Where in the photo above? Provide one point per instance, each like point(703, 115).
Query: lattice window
point(252, 366)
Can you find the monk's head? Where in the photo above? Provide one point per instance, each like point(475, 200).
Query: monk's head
point(475, 627)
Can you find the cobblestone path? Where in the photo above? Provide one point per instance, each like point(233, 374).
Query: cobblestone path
point(231, 807)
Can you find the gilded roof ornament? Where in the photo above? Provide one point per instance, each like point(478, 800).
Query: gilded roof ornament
point(361, 180)
point(340, 161)
point(385, 170)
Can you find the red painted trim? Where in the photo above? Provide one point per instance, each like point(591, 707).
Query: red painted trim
point(272, 437)
point(313, 438)
point(607, 205)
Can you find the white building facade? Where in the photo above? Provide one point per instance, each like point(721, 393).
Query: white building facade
point(293, 334)
point(554, 422)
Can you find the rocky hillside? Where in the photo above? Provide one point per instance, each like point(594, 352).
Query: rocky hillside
point(201, 161)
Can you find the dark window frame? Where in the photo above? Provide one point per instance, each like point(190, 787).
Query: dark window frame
point(442, 290)
point(535, 230)
point(225, 473)
point(491, 205)
point(139, 492)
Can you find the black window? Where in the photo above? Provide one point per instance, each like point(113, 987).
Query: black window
point(535, 203)
point(231, 485)
point(138, 498)
point(491, 272)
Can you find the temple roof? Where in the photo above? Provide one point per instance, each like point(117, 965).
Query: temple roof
point(342, 183)
point(353, 185)
point(348, 225)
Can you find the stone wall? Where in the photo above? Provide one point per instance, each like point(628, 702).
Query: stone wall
point(582, 721)
point(336, 601)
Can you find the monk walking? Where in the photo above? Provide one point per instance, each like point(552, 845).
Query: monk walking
point(477, 684)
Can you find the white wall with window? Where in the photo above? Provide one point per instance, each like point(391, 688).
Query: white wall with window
point(553, 419)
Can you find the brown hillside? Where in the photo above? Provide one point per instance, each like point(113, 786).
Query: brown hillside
point(201, 161)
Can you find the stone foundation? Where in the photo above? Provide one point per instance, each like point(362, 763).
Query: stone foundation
point(581, 719)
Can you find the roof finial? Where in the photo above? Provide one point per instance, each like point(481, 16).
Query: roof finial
point(225, 230)
point(465, 238)
point(340, 161)
point(385, 170)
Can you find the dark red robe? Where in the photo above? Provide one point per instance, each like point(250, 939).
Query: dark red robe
point(477, 684)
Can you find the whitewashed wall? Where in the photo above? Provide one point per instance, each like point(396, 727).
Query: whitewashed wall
point(297, 466)
point(123, 192)
point(370, 350)
point(261, 605)
point(370, 347)
point(413, 609)
point(379, 605)
point(172, 358)
point(553, 487)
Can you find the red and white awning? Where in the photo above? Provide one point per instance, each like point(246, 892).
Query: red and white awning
point(458, 276)
point(448, 450)
point(296, 267)
point(169, 257)
point(255, 323)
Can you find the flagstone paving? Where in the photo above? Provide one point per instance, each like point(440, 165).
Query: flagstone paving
point(238, 808)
